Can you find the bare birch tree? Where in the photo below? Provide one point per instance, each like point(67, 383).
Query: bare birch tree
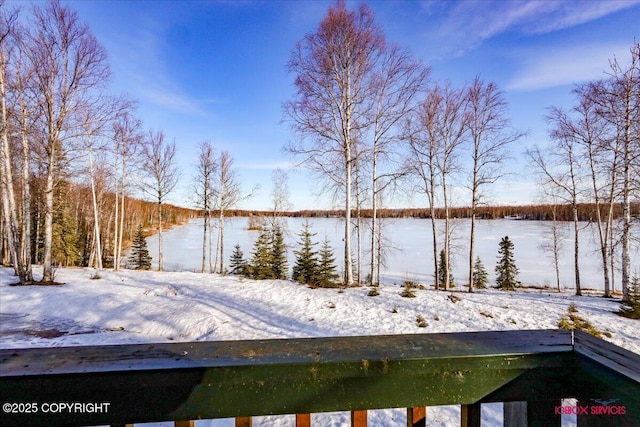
point(554, 239)
point(560, 168)
point(332, 67)
point(601, 133)
point(586, 127)
point(421, 136)
point(395, 87)
point(280, 194)
point(435, 135)
point(228, 193)
point(619, 105)
point(451, 126)
point(162, 173)
point(9, 206)
point(204, 193)
point(92, 134)
point(127, 147)
point(95, 120)
point(360, 192)
point(69, 66)
point(26, 117)
point(490, 134)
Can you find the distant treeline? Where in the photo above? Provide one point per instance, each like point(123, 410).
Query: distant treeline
point(586, 212)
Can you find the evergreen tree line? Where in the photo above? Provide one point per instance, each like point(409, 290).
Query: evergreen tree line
point(312, 267)
point(541, 212)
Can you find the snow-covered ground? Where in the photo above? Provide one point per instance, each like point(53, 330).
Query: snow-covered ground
point(144, 306)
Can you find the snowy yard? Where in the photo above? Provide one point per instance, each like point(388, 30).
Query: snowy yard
point(140, 307)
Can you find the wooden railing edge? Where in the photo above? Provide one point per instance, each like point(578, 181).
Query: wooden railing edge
point(559, 347)
point(614, 357)
point(217, 354)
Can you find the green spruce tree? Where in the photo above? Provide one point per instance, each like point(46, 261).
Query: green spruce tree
point(443, 265)
point(139, 256)
point(237, 263)
point(506, 270)
point(327, 276)
point(261, 265)
point(631, 304)
point(305, 269)
point(278, 253)
point(66, 238)
point(480, 276)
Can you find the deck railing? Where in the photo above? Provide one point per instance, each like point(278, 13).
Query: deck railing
point(530, 371)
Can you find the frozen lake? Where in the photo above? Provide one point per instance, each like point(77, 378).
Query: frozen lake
point(409, 254)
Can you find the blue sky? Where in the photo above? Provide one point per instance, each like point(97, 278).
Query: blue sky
point(216, 70)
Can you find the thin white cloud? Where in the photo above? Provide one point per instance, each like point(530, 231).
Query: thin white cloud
point(284, 165)
point(565, 66)
point(571, 13)
point(173, 101)
point(468, 23)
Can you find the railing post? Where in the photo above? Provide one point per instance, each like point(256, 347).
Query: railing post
point(417, 417)
point(244, 421)
point(358, 418)
point(471, 415)
point(515, 414)
point(541, 413)
point(303, 420)
point(585, 420)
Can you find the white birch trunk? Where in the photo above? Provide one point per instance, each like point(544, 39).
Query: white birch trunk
point(96, 216)
point(116, 222)
point(221, 241)
point(47, 262)
point(8, 195)
point(160, 266)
